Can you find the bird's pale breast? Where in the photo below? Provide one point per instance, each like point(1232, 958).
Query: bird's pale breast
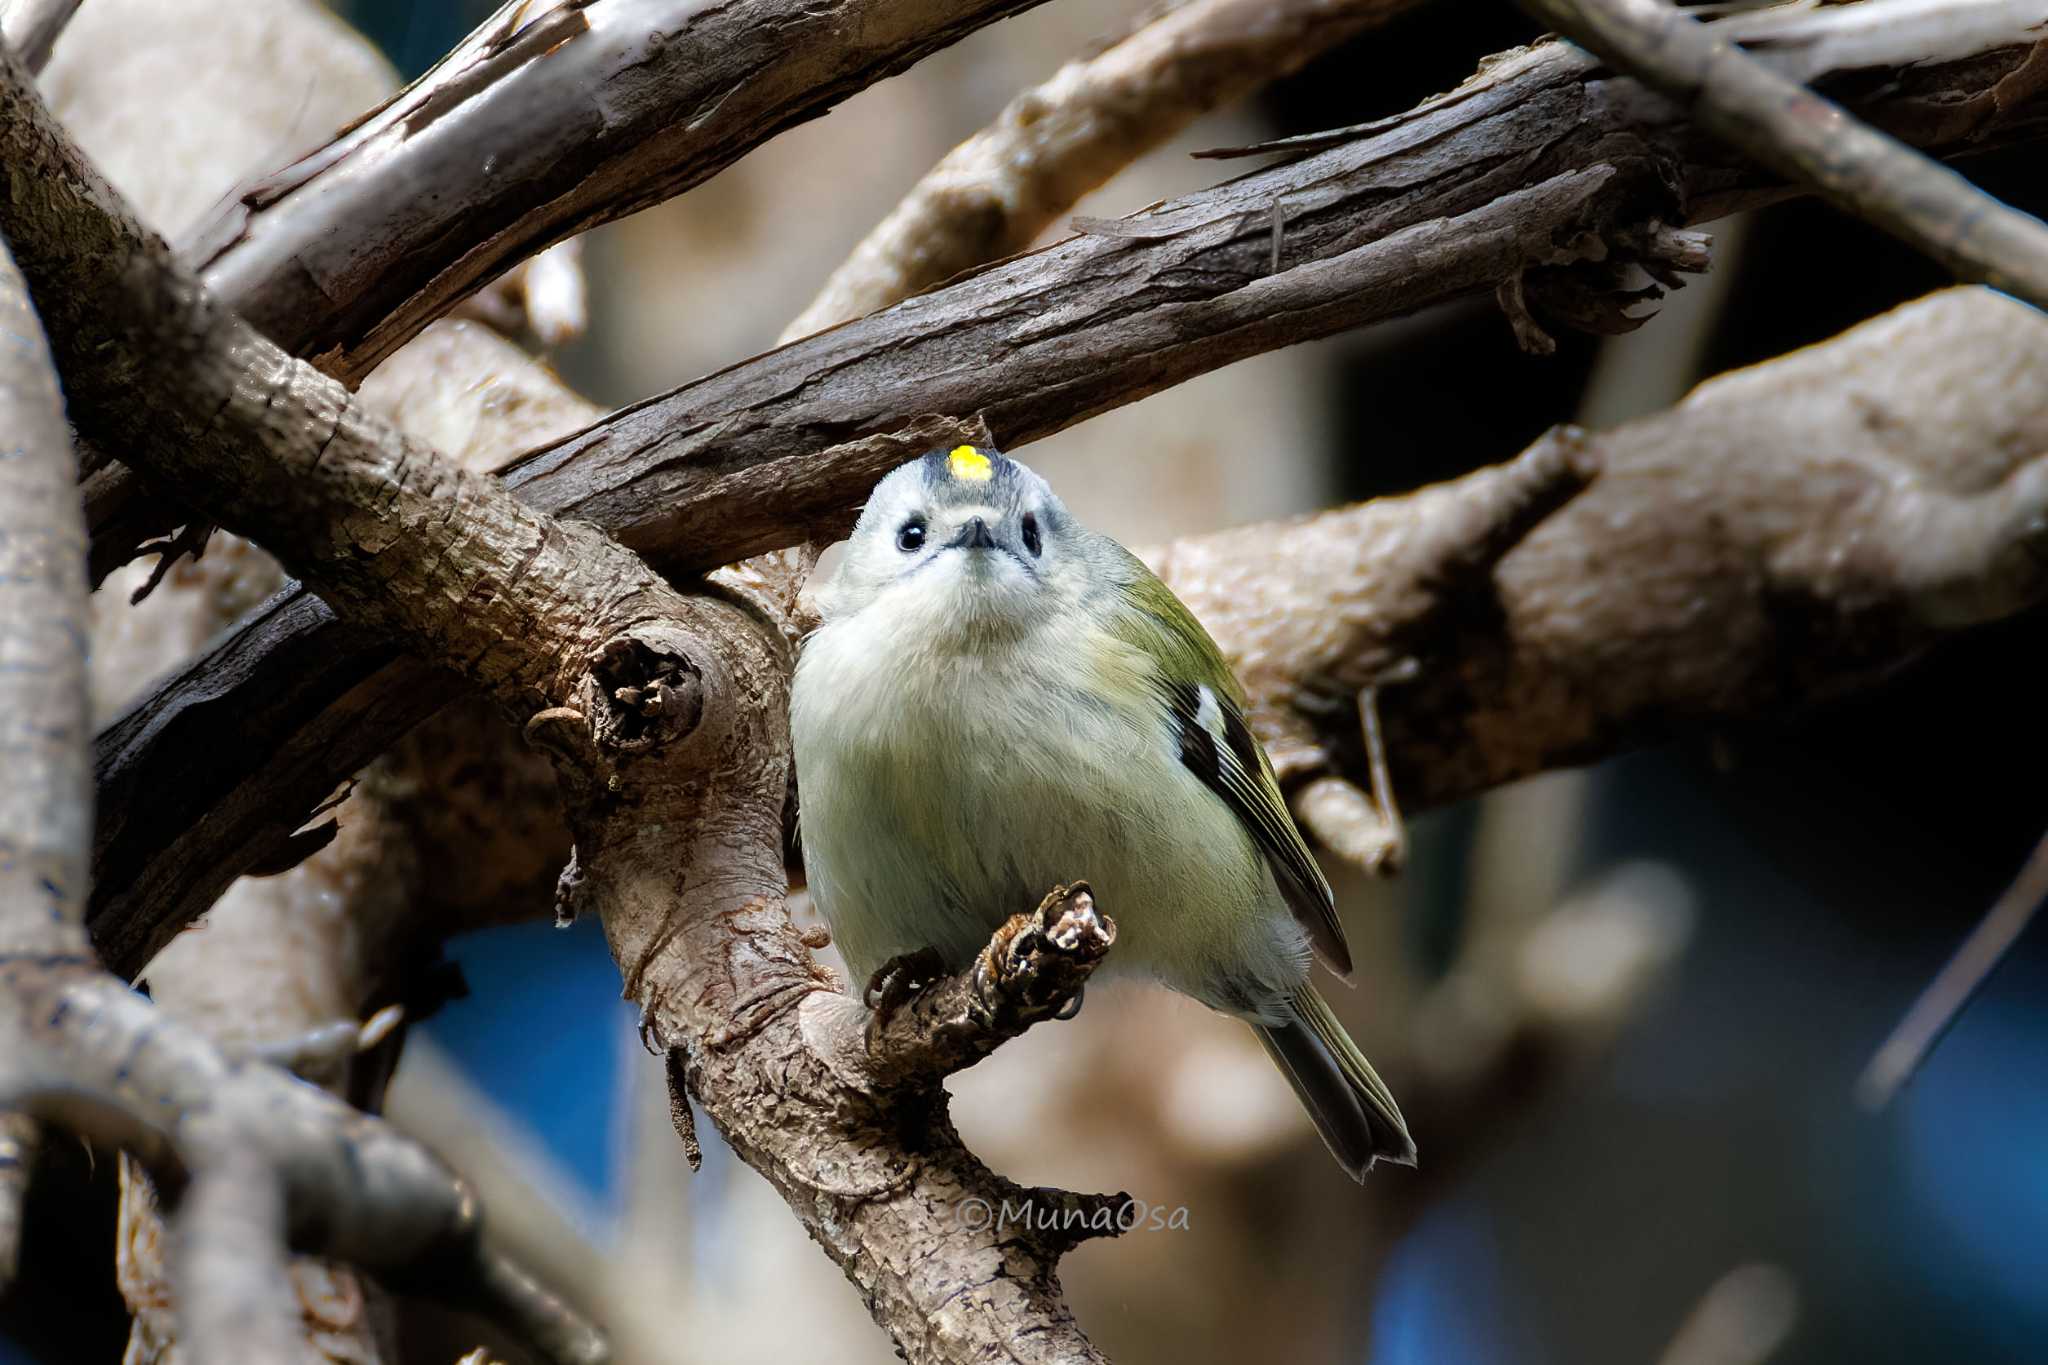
point(942, 792)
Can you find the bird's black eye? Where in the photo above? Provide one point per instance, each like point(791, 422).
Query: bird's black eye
point(911, 536)
point(1031, 540)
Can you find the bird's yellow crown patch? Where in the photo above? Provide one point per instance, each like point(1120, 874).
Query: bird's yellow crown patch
point(969, 465)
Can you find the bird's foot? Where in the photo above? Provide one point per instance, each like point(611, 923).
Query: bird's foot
point(898, 981)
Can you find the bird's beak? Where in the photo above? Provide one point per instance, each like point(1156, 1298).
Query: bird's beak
point(975, 535)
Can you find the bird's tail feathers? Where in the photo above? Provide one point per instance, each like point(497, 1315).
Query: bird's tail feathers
point(1348, 1102)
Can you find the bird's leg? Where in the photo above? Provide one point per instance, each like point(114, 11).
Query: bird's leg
point(1366, 830)
point(1395, 830)
point(899, 980)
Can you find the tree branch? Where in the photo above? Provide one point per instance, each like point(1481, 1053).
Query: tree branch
point(46, 801)
point(235, 1298)
point(1539, 114)
point(1813, 141)
point(546, 121)
point(994, 193)
point(19, 1140)
point(1032, 969)
point(1787, 533)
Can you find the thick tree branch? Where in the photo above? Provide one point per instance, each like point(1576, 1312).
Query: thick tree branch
point(1136, 313)
point(46, 801)
point(1813, 141)
point(547, 120)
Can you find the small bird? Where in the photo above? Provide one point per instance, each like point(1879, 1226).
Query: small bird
point(1000, 700)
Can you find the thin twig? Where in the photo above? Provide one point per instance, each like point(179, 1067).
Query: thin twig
point(1813, 140)
point(1952, 989)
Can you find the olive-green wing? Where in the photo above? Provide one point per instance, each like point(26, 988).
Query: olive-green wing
point(1206, 708)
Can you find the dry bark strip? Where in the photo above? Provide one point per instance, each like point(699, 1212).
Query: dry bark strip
point(1537, 160)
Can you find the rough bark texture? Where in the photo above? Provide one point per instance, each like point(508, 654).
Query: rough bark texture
point(547, 120)
point(1541, 159)
point(665, 714)
point(1389, 219)
point(291, 959)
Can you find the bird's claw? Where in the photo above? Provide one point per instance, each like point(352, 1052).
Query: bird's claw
point(897, 982)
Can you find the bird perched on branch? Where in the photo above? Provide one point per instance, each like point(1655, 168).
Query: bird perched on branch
point(1000, 700)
